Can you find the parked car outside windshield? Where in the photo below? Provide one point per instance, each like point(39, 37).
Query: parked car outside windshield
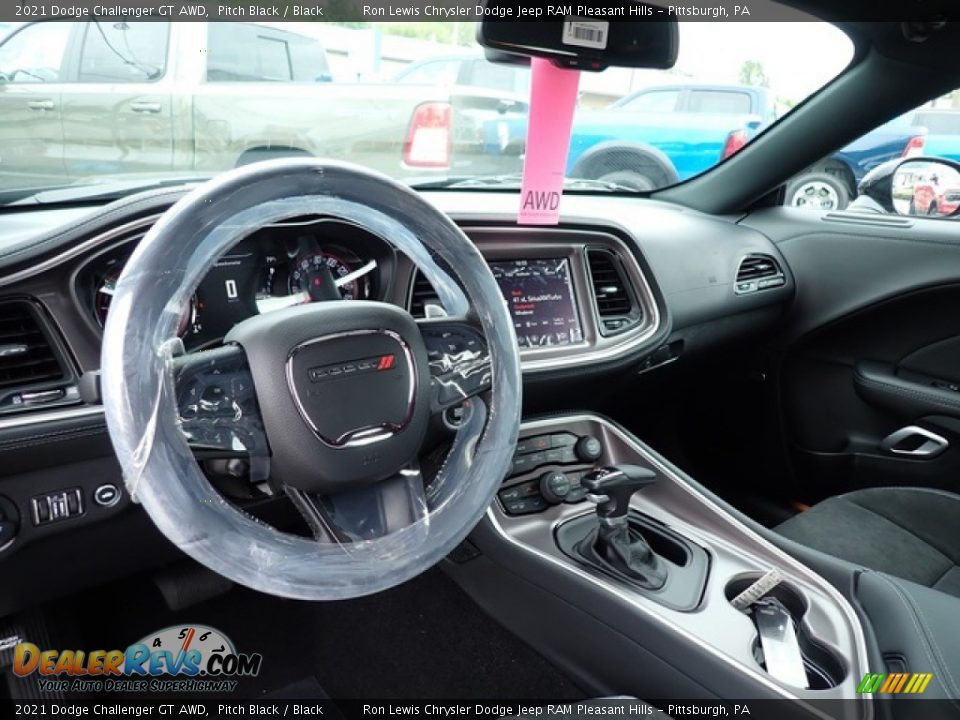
point(95, 102)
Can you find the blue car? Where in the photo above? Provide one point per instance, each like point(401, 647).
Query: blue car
point(668, 133)
point(653, 137)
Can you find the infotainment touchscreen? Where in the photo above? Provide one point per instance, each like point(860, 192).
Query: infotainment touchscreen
point(541, 300)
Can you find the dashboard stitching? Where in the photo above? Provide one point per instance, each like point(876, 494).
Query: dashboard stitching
point(47, 438)
point(912, 394)
point(949, 242)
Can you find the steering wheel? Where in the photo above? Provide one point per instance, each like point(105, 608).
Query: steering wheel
point(328, 402)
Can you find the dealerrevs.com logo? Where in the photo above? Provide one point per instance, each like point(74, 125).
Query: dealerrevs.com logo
point(182, 658)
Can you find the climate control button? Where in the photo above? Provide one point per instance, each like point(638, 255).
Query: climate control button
point(555, 486)
point(589, 449)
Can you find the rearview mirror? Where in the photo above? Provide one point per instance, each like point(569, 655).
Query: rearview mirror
point(926, 187)
point(581, 43)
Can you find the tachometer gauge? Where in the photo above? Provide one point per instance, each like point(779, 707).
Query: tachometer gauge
point(104, 296)
point(268, 280)
point(323, 276)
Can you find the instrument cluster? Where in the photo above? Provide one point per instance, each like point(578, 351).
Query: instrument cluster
point(278, 266)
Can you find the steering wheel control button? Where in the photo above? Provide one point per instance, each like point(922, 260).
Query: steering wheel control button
point(589, 449)
point(56, 506)
point(459, 361)
point(106, 495)
point(555, 486)
point(453, 417)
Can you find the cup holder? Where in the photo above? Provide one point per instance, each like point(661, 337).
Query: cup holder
point(824, 669)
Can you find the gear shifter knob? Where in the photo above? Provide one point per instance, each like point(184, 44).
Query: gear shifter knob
point(612, 488)
point(614, 545)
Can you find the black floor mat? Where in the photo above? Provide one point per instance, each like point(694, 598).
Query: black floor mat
point(303, 689)
point(424, 639)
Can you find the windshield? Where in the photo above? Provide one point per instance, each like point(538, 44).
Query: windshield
point(94, 103)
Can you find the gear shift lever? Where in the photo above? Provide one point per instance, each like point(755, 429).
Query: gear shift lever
point(614, 545)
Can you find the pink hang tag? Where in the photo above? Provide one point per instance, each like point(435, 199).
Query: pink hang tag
point(553, 99)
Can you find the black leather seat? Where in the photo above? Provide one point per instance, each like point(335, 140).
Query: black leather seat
point(911, 533)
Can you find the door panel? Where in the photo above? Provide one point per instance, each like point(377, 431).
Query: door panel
point(118, 114)
point(31, 136)
point(112, 130)
point(872, 347)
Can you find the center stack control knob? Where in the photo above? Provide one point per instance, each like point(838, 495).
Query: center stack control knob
point(555, 486)
point(588, 448)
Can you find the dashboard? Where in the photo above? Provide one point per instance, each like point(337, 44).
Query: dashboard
point(575, 297)
point(608, 289)
point(619, 289)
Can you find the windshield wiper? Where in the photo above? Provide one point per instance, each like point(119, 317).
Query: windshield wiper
point(109, 190)
point(462, 182)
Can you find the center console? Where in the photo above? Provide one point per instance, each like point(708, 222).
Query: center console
point(631, 567)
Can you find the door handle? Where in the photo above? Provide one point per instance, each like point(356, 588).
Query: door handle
point(41, 105)
point(914, 441)
point(145, 107)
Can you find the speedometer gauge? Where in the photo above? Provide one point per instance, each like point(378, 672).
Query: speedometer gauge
point(104, 296)
point(323, 276)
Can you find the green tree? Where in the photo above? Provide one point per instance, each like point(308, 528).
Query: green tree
point(752, 73)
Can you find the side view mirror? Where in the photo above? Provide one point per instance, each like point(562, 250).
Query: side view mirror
point(926, 187)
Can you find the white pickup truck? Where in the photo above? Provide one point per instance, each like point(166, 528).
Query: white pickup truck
point(93, 99)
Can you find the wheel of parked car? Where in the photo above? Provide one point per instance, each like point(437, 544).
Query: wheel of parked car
point(817, 191)
point(331, 403)
point(632, 165)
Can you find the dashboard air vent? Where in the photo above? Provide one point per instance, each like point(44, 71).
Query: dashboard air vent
point(758, 272)
point(33, 371)
point(26, 354)
point(616, 306)
point(421, 295)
